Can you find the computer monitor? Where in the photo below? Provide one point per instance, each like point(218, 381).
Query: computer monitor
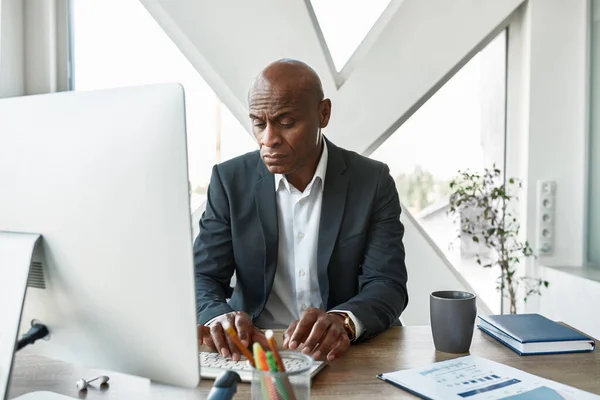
point(103, 177)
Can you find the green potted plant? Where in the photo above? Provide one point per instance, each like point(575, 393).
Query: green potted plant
point(480, 204)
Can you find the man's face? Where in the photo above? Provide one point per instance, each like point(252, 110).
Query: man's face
point(286, 124)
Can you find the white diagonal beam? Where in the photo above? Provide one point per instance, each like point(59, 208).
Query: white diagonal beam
point(230, 41)
point(420, 48)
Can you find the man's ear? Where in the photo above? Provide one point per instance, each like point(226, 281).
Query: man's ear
point(324, 113)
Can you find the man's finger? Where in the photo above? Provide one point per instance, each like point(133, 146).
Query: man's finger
point(302, 329)
point(234, 350)
point(259, 336)
point(202, 331)
point(243, 324)
point(328, 342)
point(340, 349)
point(204, 337)
point(319, 329)
point(218, 336)
point(288, 334)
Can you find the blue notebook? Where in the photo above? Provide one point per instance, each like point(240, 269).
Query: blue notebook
point(534, 334)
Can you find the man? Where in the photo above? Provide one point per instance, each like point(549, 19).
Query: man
point(312, 231)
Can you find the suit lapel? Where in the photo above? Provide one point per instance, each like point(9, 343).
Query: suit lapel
point(332, 212)
point(266, 207)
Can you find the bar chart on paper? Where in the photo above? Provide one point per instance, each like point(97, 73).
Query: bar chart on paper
point(476, 378)
point(468, 379)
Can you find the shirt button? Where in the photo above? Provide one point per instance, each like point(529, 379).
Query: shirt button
point(302, 273)
point(301, 235)
point(304, 307)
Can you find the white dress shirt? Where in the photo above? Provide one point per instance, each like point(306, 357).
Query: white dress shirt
point(296, 285)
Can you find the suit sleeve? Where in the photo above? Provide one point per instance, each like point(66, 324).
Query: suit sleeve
point(382, 282)
point(213, 254)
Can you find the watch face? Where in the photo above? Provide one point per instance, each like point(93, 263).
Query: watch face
point(349, 323)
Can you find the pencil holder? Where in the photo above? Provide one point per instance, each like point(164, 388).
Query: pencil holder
point(294, 384)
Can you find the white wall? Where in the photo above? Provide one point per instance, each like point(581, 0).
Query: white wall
point(40, 46)
point(33, 47)
point(11, 48)
point(594, 142)
point(558, 121)
point(547, 137)
point(573, 300)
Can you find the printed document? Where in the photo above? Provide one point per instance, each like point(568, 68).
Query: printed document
point(476, 378)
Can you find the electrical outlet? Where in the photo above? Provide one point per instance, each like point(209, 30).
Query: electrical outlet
point(546, 201)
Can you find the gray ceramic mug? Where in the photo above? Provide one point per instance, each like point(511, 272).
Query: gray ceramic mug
point(452, 316)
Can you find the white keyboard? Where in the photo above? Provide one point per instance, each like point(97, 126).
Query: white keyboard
point(213, 364)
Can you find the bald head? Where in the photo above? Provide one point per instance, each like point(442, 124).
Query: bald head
point(288, 110)
point(289, 75)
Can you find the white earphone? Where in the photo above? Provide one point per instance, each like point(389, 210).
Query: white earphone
point(82, 384)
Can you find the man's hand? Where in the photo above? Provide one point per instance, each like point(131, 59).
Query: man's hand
point(318, 333)
point(214, 336)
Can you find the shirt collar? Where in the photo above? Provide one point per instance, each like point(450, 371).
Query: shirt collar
point(319, 172)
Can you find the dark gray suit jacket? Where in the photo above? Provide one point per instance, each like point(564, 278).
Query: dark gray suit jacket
point(360, 256)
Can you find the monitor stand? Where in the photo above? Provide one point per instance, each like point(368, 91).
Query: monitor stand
point(16, 256)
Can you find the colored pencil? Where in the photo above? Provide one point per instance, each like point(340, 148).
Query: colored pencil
point(235, 339)
point(256, 348)
point(279, 382)
point(273, 346)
